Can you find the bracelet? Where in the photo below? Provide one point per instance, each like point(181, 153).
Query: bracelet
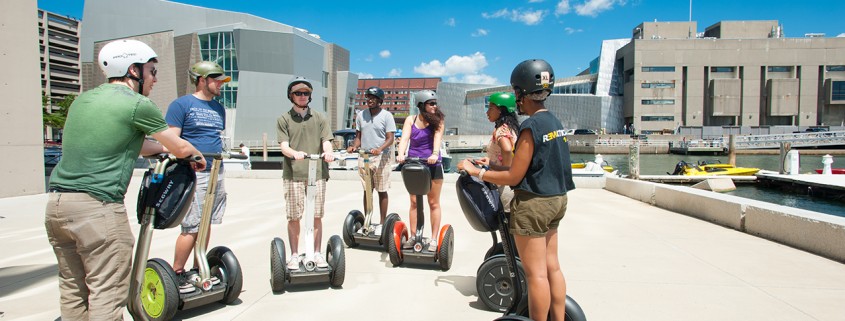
point(435, 153)
point(481, 174)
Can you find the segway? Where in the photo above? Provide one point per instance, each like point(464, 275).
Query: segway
point(417, 178)
point(500, 278)
point(308, 272)
point(357, 227)
point(164, 198)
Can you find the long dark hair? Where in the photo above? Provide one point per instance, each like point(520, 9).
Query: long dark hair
point(506, 118)
point(433, 119)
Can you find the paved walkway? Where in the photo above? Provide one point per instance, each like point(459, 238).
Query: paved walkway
point(623, 260)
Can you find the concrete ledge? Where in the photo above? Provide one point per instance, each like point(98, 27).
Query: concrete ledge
point(814, 232)
point(704, 205)
point(638, 190)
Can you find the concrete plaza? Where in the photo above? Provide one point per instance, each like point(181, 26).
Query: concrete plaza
point(623, 260)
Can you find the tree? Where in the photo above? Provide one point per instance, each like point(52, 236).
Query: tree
point(56, 118)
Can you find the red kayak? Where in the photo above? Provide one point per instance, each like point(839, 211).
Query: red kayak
point(833, 171)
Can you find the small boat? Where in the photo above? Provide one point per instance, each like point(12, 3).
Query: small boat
point(712, 169)
point(592, 168)
point(606, 167)
point(835, 171)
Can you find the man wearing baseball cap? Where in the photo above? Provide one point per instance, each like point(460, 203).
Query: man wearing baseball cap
point(199, 119)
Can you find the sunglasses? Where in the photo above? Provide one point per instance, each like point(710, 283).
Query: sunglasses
point(214, 76)
point(154, 72)
point(431, 103)
point(302, 93)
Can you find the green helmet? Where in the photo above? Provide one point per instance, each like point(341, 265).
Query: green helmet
point(206, 68)
point(503, 99)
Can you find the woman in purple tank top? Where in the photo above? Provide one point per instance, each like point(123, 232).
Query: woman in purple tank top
point(422, 136)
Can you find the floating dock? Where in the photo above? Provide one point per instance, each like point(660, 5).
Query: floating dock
point(827, 186)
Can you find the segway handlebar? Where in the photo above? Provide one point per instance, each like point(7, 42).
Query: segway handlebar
point(224, 155)
point(161, 156)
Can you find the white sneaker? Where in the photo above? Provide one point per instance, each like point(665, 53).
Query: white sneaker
point(320, 260)
point(432, 246)
point(293, 264)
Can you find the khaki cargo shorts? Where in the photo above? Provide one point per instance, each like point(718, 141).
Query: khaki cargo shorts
point(535, 215)
point(380, 168)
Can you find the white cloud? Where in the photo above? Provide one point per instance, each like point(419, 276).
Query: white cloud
point(463, 69)
point(369, 58)
point(472, 64)
point(395, 72)
point(562, 8)
point(570, 31)
point(364, 75)
point(594, 7)
point(480, 33)
point(384, 54)
point(529, 17)
point(476, 79)
point(450, 22)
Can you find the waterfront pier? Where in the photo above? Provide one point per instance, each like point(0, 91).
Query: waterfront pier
point(630, 250)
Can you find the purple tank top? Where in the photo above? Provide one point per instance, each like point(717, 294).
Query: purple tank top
point(421, 142)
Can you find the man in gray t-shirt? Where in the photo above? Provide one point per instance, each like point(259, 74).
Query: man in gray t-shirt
point(374, 133)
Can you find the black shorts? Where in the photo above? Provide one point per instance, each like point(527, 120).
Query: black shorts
point(436, 171)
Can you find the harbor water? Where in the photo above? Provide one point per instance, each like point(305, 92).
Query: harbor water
point(660, 164)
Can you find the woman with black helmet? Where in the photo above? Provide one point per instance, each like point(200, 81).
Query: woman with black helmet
point(541, 176)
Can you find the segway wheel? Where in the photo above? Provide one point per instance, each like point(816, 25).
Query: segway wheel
point(389, 221)
point(494, 284)
point(353, 222)
point(495, 249)
point(574, 311)
point(159, 291)
point(278, 266)
point(225, 266)
point(337, 261)
point(446, 247)
point(394, 243)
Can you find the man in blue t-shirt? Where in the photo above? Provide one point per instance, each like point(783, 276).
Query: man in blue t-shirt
point(200, 120)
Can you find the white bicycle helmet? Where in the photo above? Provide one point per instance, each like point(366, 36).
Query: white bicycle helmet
point(116, 56)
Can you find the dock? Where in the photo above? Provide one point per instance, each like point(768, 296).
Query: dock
point(827, 186)
point(683, 179)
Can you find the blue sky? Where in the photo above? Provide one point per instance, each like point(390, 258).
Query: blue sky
point(481, 41)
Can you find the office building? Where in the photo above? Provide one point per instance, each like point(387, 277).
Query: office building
point(58, 39)
point(260, 55)
point(735, 73)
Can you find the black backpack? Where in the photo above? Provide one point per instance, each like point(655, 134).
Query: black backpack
point(169, 196)
point(480, 202)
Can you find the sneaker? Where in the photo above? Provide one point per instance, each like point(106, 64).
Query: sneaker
point(185, 285)
point(293, 264)
point(196, 271)
point(320, 260)
point(432, 246)
point(409, 243)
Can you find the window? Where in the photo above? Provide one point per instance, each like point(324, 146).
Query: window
point(658, 101)
point(722, 69)
point(658, 85)
point(657, 118)
point(837, 91)
point(659, 69)
point(779, 68)
point(835, 68)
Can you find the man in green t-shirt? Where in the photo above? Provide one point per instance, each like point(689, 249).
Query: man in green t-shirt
point(85, 218)
point(302, 131)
